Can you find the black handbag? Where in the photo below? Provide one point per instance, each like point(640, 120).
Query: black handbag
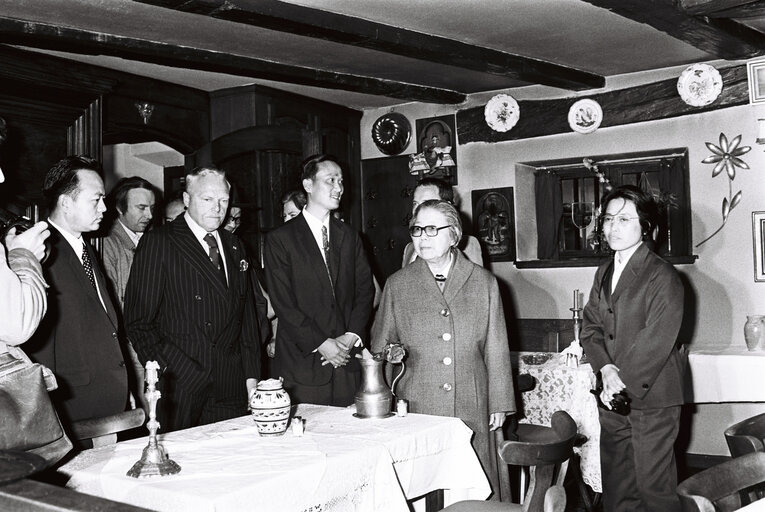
point(29, 421)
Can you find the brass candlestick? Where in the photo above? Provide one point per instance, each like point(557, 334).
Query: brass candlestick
point(154, 461)
point(577, 322)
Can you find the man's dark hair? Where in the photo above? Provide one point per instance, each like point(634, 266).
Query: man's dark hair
point(645, 205)
point(310, 165)
point(62, 178)
point(445, 191)
point(118, 196)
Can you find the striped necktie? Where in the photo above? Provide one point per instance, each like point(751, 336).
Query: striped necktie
point(214, 254)
point(325, 247)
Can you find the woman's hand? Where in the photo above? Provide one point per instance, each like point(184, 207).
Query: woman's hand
point(496, 419)
point(612, 384)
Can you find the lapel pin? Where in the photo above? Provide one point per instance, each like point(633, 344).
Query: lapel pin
point(243, 266)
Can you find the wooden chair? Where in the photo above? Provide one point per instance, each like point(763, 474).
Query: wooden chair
point(746, 436)
point(103, 431)
point(717, 489)
point(546, 451)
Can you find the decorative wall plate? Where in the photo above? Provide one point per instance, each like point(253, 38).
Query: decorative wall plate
point(585, 116)
point(502, 112)
point(391, 133)
point(699, 85)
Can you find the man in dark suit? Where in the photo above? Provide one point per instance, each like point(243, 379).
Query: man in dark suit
point(321, 289)
point(78, 338)
point(189, 306)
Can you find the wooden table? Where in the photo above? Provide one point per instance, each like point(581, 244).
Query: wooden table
point(340, 463)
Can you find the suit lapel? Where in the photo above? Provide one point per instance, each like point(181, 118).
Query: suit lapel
point(101, 280)
point(192, 251)
point(458, 276)
point(425, 276)
point(336, 236)
point(231, 253)
point(630, 272)
point(311, 248)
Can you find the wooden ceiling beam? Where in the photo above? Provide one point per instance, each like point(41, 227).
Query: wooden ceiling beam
point(721, 38)
point(72, 40)
point(707, 7)
point(742, 12)
point(358, 32)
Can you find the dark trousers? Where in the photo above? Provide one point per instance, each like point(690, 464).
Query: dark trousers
point(637, 460)
point(178, 411)
point(339, 391)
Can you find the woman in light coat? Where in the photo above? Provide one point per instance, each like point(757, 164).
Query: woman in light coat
point(458, 360)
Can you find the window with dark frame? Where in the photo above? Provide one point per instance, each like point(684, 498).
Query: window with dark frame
point(568, 197)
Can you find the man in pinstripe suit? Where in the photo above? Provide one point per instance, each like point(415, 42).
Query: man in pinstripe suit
point(189, 306)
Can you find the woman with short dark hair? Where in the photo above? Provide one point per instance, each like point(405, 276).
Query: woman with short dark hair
point(629, 333)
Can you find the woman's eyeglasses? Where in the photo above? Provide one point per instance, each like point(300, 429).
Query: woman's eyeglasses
point(416, 231)
point(621, 220)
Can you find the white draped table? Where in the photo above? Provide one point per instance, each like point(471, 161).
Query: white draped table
point(730, 374)
point(560, 388)
point(341, 463)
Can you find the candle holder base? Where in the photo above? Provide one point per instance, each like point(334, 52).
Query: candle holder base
point(154, 462)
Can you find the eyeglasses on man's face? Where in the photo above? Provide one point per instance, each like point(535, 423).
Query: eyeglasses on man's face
point(416, 231)
point(619, 220)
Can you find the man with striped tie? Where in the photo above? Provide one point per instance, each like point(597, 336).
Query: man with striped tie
point(190, 307)
point(79, 337)
point(321, 289)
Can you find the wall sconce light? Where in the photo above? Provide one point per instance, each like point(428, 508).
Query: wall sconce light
point(145, 110)
point(760, 131)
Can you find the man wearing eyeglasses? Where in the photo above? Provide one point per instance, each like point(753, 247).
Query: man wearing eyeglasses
point(321, 289)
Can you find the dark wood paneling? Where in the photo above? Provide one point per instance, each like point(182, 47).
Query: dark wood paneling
point(649, 102)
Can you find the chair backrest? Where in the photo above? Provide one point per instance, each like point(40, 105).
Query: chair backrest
point(546, 451)
point(103, 431)
point(746, 436)
point(717, 488)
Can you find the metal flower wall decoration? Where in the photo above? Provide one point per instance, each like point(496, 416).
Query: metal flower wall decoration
point(725, 156)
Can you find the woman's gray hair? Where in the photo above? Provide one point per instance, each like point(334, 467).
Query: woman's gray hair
point(449, 212)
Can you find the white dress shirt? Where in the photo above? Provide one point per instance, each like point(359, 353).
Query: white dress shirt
point(621, 259)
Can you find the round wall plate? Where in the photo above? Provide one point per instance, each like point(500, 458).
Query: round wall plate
point(699, 85)
point(502, 112)
point(585, 116)
point(391, 133)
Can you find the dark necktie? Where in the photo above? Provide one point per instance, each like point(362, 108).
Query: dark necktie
point(214, 254)
point(440, 281)
point(88, 266)
point(325, 246)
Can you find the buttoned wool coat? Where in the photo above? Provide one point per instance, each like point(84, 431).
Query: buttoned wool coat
point(118, 253)
point(458, 359)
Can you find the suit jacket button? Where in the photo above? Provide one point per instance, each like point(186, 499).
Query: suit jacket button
point(447, 387)
point(114, 335)
point(446, 336)
point(208, 324)
point(122, 363)
point(197, 297)
point(447, 361)
point(444, 312)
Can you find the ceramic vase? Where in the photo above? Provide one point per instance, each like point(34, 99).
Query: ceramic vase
point(270, 405)
point(754, 328)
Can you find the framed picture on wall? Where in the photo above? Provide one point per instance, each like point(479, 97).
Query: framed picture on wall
point(756, 76)
point(758, 238)
point(494, 222)
point(436, 142)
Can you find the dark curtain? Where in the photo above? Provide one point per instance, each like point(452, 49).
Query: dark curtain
point(549, 206)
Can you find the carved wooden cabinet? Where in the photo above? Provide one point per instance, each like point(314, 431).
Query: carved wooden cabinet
point(387, 189)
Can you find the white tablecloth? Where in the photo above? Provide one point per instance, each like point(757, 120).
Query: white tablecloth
point(560, 388)
point(341, 463)
point(731, 374)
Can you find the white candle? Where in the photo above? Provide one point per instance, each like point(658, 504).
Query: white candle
point(576, 299)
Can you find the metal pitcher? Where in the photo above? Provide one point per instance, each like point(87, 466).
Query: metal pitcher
point(374, 399)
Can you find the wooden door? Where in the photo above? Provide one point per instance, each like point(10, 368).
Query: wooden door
point(387, 189)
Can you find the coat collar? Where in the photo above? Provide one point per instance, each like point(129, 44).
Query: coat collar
point(118, 233)
point(192, 250)
point(66, 252)
point(630, 272)
point(461, 270)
